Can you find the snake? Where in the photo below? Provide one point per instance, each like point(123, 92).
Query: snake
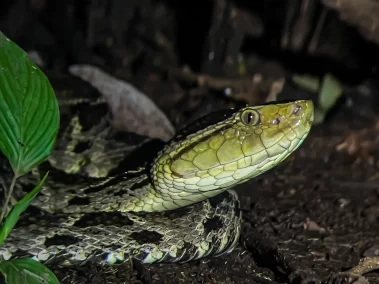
point(178, 206)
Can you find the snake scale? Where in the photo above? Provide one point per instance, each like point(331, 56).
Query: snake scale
point(178, 207)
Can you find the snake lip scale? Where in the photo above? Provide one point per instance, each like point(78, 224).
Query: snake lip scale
point(178, 207)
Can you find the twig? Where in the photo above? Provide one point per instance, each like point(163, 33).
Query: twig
point(202, 80)
point(366, 265)
point(8, 198)
point(361, 185)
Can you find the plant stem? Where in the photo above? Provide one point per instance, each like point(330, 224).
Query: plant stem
point(8, 198)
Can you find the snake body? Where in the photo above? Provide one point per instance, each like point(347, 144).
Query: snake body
point(176, 208)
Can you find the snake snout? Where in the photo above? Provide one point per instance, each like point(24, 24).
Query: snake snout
point(303, 109)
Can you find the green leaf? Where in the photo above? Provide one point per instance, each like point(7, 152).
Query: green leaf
point(307, 82)
point(18, 209)
point(29, 113)
point(331, 91)
point(27, 271)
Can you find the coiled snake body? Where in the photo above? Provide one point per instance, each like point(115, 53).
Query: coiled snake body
point(179, 207)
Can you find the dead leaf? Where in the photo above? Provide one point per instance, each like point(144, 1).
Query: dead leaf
point(132, 110)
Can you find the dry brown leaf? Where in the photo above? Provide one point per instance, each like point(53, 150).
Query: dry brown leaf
point(132, 110)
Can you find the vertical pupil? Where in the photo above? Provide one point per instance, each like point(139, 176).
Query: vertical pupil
point(249, 117)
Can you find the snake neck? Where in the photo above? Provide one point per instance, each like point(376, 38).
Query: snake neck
point(141, 195)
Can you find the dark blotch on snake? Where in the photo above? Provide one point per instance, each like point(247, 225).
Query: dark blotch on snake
point(79, 201)
point(103, 218)
point(82, 146)
point(146, 236)
point(213, 224)
point(115, 181)
point(61, 240)
point(138, 185)
point(216, 200)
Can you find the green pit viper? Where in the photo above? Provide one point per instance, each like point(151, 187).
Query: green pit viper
point(178, 207)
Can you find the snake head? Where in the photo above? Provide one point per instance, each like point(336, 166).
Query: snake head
point(227, 148)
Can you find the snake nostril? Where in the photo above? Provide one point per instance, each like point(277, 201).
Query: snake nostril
point(297, 110)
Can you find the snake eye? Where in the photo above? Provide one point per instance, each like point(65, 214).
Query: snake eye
point(250, 117)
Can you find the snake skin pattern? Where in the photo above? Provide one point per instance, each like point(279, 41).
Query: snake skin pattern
point(177, 207)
